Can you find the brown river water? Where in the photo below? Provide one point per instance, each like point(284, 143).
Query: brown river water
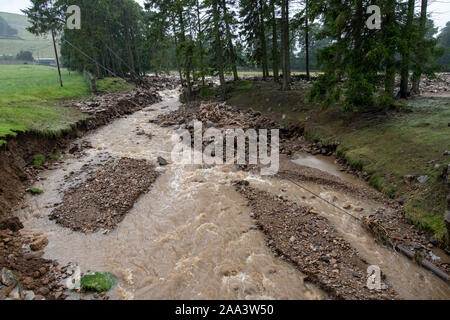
point(187, 239)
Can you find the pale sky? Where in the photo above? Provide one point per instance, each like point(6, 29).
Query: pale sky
point(439, 9)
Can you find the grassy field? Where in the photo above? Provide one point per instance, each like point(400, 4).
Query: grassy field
point(387, 147)
point(30, 100)
point(113, 85)
point(41, 45)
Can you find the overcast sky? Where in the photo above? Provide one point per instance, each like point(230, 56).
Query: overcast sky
point(440, 9)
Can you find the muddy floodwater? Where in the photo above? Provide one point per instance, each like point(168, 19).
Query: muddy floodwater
point(192, 235)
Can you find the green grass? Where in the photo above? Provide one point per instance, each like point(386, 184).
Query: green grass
point(38, 160)
point(207, 93)
point(29, 100)
point(54, 157)
point(113, 85)
point(36, 83)
point(386, 147)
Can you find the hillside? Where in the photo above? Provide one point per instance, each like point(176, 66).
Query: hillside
point(41, 46)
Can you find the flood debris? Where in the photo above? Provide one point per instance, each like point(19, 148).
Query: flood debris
point(312, 244)
point(392, 229)
point(106, 194)
point(25, 275)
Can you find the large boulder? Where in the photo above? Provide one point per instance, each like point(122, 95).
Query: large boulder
point(97, 282)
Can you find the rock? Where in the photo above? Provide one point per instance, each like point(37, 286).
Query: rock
point(12, 224)
point(423, 179)
point(33, 255)
point(44, 291)
point(434, 258)
point(347, 206)
point(98, 282)
point(29, 295)
point(409, 178)
point(39, 297)
point(433, 241)
point(39, 244)
point(162, 161)
point(76, 148)
point(292, 239)
point(8, 278)
point(447, 153)
point(15, 294)
point(27, 281)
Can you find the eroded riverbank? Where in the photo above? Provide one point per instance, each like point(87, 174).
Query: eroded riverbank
point(192, 236)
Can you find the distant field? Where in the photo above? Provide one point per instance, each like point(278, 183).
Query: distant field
point(29, 98)
point(40, 45)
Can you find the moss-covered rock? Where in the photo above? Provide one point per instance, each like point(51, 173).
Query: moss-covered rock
point(98, 282)
point(35, 191)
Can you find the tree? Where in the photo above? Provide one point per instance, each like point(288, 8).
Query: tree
point(218, 45)
point(444, 44)
point(285, 44)
point(253, 14)
point(421, 49)
point(46, 16)
point(352, 61)
point(231, 51)
point(275, 51)
point(112, 43)
point(406, 50)
point(25, 56)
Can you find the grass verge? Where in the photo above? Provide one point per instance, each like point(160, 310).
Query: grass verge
point(113, 85)
point(29, 100)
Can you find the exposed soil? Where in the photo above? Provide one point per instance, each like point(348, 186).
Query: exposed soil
point(310, 242)
point(107, 194)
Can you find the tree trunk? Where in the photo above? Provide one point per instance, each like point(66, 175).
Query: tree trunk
point(285, 44)
point(275, 58)
point(187, 51)
point(200, 43)
point(230, 41)
point(177, 58)
point(405, 51)
point(389, 76)
point(308, 75)
point(421, 54)
point(57, 59)
point(219, 53)
point(262, 37)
